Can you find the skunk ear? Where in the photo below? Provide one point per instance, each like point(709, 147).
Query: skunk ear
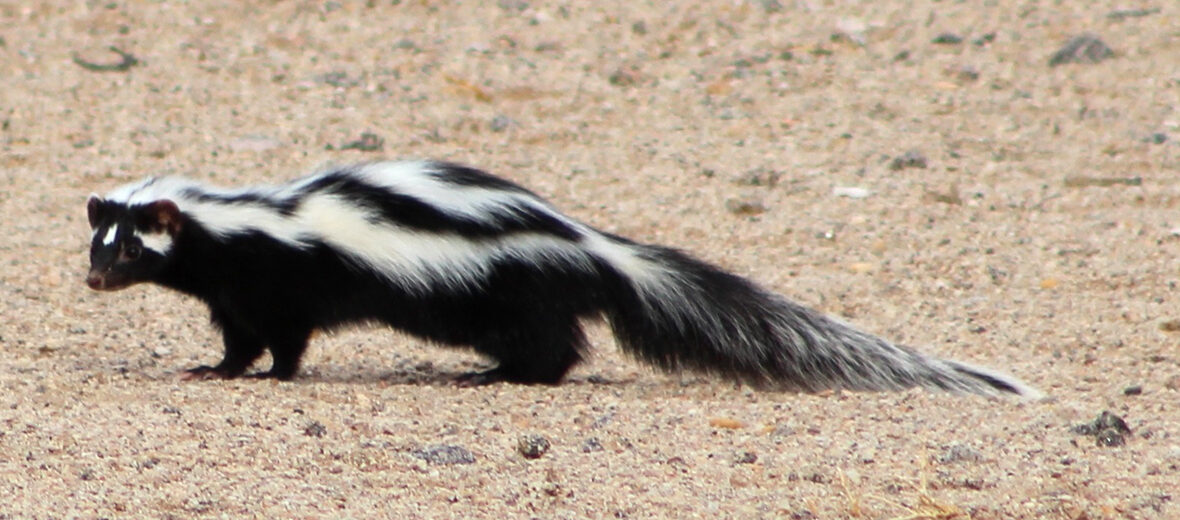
point(165, 215)
point(94, 209)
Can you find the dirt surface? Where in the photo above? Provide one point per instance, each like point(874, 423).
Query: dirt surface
point(962, 196)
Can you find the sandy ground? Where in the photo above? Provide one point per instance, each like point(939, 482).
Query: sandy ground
point(1040, 238)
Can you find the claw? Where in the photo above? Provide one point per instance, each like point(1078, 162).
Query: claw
point(204, 373)
point(269, 374)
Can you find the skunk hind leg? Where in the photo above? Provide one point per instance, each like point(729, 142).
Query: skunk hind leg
point(541, 353)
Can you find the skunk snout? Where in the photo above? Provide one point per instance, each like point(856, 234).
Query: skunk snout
point(96, 280)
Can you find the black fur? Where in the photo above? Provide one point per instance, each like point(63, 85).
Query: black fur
point(522, 308)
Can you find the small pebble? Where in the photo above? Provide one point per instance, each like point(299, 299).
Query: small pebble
point(910, 159)
point(126, 61)
point(959, 452)
point(1107, 429)
point(501, 123)
point(947, 38)
point(1110, 437)
point(532, 446)
point(1086, 48)
point(1133, 390)
point(985, 39)
point(852, 192)
point(1123, 14)
point(445, 454)
point(624, 76)
point(368, 142)
point(337, 78)
point(747, 457)
point(966, 73)
point(759, 177)
point(745, 206)
point(591, 445)
point(315, 429)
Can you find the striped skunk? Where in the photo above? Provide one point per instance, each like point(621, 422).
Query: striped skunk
point(462, 258)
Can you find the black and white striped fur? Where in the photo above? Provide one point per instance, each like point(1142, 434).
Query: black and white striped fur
point(462, 258)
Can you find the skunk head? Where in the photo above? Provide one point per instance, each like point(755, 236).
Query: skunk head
point(130, 242)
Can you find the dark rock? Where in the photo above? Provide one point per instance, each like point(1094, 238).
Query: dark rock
point(1107, 429)
point(947, 38)
point(745, 206)
point(501, 123)
point(759, 177)
point(910, 159)
point(959, 452)
point(1086, 48)
point(591, 445)
point(532, 446)
point(337, 78)
point(747, 457)
point(985, 39)
point(1123, 14)
point(368, 142)
point(126, 61)
point(1110, 437)
point(315, 429)
point(445, 454)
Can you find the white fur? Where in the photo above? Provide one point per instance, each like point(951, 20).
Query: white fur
point(419, 260)
point(417, 179)
point(158, 242)
point(109, 237)
point(224, 220)
point(219, 218)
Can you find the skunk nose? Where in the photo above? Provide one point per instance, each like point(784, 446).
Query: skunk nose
point(95, 280)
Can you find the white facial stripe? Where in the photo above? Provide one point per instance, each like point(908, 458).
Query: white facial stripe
point(109, 238)
point(158, 242)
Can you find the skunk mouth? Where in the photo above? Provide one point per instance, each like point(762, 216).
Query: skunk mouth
point(107, 281)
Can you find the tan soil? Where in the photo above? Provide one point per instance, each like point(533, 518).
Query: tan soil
point(1019, 247)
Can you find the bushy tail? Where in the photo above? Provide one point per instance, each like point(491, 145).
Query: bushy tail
point(677, 313)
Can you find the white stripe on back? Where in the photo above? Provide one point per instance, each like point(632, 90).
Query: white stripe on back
point(418, 260)
point(417, 179)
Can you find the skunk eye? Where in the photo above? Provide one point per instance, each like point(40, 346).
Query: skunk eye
point(132, 252)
